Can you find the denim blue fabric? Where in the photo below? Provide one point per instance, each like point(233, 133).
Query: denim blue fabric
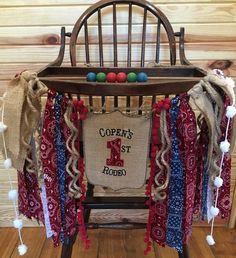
point(176, 186)
point(60, 159)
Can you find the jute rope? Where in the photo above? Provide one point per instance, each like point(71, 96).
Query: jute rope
point(158, 193)
point(71, 166)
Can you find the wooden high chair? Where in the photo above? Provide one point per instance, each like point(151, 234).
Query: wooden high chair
point(163, 80)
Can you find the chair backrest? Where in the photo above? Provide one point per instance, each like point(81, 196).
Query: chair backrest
point(115, 42)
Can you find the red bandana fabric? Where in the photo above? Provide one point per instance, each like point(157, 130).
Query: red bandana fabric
point(224, 204)
point(202, 142)
point(29, 199)
point(48, 158)
point(156, 226)
point(187, 135)
point(158, 211)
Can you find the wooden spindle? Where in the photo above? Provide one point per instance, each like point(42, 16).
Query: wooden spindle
point(158, 41)
point(86, 42)
point(115, 48)
point(144, 37)
point(154, 99)
point(129, 36)
point(129, 50)
point(87, 57)
point(115, 36)
point(103, 98)
point(100, 38)
point(143, 52)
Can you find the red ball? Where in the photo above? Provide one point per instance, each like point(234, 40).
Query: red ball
point(121, 77)
point(111, 77)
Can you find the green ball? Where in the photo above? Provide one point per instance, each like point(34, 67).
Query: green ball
point(131, 77)
point(101, 77)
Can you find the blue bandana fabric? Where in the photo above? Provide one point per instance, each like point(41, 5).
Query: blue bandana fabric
point(176, 186)
point(60, 159)
point(205, 188)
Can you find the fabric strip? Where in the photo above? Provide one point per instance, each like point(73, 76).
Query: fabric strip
point(176, 187)
point(48, 158)
point(60, 158)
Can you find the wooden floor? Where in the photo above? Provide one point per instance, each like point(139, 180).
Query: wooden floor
point(117, 244)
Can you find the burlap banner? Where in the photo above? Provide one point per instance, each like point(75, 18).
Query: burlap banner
point(116, 149)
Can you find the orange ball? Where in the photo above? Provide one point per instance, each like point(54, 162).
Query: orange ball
point(111, 77)
point(121, 77)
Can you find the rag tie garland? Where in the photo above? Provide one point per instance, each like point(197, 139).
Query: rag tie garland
point(176, 188)
point(216, 171)
point(166, 129)
point(60, 158)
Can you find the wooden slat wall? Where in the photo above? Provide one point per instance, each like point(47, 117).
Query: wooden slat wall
point(30, 36)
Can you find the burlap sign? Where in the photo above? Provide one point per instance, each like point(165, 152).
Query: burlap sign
point(116, 150)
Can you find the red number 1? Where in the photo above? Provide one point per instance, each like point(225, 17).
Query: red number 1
point(115, 160)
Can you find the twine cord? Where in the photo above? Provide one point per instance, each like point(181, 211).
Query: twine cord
point(10, 181)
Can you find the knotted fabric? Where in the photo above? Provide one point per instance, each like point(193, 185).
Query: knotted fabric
point(224, 190)
point(49, 166)
point(156, 226)
point(187, 136)
point(60, 157)
point(29, 200)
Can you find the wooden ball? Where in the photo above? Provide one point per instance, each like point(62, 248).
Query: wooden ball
point(131, 77)
point(91, 77)
point(101, 77)
point(142, 77)
point(111, 77)
point(121, 77)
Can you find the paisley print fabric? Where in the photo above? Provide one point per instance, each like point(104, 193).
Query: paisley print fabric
point(187, 138)
point(49, 167)
point(176, 186)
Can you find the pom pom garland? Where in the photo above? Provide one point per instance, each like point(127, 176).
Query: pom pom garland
point(22, 249)
point(224, 146)
point(12, 195)
point(210, 240)
point(231, 111)
point(218, 182)
point(18, 223)
point(214, 211)
point(3, 127)
point(7, 163)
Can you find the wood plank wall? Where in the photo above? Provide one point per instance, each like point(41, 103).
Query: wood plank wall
point(30, 36)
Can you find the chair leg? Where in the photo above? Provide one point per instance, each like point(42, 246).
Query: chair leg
point(68, 247)
point(185, 253)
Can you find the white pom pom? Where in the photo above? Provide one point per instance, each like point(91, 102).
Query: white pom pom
point(18, 223)
point(12, 195)
point(224, 146)
point(7, 163)
point(218, 182)
point(230, 111)
point(3, 127)
point(230, 82)
point(210, 240)
point(214, 211)
point(22, 249)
